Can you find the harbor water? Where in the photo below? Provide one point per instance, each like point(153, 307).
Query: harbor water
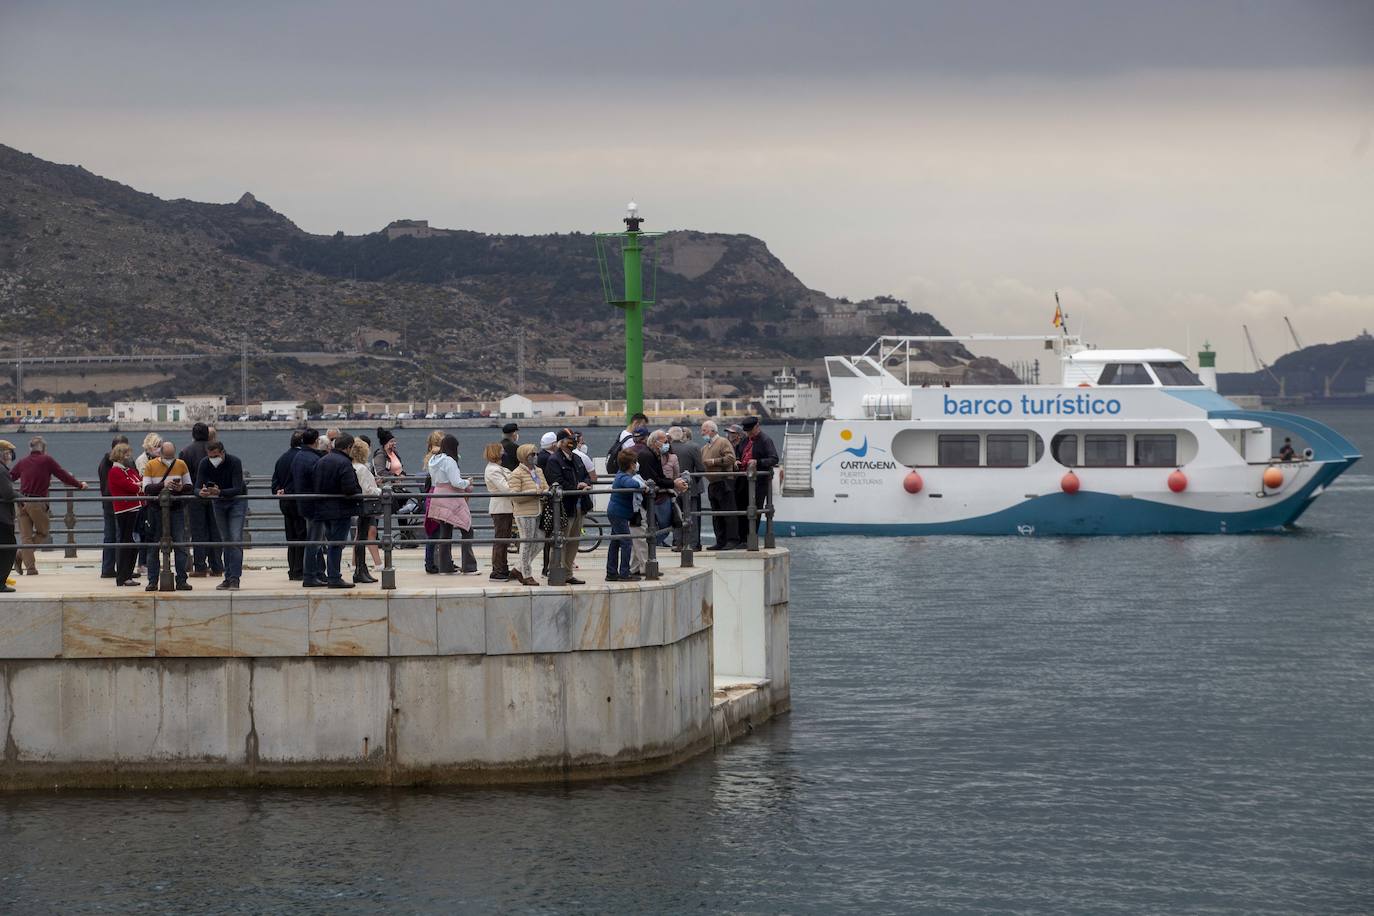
point(1098, 725)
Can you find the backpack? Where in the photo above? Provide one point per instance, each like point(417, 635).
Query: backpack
point(613, 455)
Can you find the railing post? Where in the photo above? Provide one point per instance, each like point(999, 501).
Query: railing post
point(768, 540)
point(651, 531)
point(247, 536)
point(687, 529)
point(70, 519)
point(752, 516)
point(388, 571)
point(165, 581)
point(558, 574)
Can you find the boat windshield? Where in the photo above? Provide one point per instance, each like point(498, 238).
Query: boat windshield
point(1175, 374)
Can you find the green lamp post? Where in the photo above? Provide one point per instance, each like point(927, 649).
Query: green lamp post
point(633, 302)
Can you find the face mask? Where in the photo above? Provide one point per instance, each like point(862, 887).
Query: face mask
point(216, 462)
point(663, 448)
point(708, 436)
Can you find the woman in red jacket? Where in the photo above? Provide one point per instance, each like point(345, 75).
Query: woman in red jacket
point(124, 482)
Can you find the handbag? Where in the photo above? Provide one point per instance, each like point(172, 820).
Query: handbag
point(372, 506)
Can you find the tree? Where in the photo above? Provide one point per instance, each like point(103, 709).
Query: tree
point(312, 407)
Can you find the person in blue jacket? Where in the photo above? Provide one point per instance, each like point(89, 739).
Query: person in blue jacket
point(621, 511)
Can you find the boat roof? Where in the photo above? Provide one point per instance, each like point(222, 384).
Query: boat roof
point(1151, 355)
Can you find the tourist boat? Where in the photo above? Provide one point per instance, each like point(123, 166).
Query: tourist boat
point(1129, 442)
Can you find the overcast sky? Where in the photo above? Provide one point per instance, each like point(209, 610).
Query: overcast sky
point(1174, 169)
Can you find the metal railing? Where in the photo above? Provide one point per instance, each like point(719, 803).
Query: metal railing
point(389, 523)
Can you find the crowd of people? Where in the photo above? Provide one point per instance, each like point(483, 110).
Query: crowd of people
point(329, 488)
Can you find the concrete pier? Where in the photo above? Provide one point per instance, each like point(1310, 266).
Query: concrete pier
point(443, 680)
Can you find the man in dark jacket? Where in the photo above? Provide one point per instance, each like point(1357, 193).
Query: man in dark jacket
point(199, 515)
point(303, 482)
point(292, 520)
point(110, 533)
point(566, 470)
point(336, 479)
point(7, 496)
point(757, 451)
point(510, 437)
point(219, 481)
point(689, 460)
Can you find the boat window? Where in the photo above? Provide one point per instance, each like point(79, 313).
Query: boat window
point(1064, 448)
point(1125, 374)
point(1154, 450)
point(1104, 450)
point(838, 369)
point(958, 451)
point(1008, 450)
point(1175, 374)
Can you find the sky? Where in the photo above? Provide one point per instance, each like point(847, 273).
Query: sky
point(1174, 169)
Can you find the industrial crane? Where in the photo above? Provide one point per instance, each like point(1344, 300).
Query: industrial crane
point(1259, 361)
point(1331, 379)
point(1297, 343)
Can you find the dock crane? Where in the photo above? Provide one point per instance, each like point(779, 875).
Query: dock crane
point(1331, 379)
point(1259, 361)
point(1297, 343)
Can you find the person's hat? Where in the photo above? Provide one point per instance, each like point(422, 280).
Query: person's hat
point(733, 428)
point(547, 439)
point(510, 428)
point(7, 445)
point(566, 435)
point(750, 423)
point(384, 436)
point(640, 433)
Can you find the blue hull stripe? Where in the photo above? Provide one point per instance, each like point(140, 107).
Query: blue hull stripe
point(1089, 513)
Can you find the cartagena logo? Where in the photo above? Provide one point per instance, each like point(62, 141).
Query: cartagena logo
point(859, 451)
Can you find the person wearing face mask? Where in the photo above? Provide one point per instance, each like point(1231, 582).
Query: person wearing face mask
point(621, 512)
point(651, 456)
point(7, 497)
point(219, 480)
point(527, 484)
point(565, 468)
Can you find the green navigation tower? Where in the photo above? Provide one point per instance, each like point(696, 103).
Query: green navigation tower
point(633, 302)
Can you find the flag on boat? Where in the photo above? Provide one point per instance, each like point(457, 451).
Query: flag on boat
point(1058, 312)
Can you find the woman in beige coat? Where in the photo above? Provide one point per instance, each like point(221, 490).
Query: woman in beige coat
point(527, 484)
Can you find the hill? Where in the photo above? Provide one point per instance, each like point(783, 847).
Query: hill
point(91, 266)
point(1305, 373)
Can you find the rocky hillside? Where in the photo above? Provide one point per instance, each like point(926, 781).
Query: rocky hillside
point(88, 265)
point(1342, 367)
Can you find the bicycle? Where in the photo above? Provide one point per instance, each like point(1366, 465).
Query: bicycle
point(593, 530)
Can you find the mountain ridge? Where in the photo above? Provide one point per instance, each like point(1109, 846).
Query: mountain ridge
point(89, 265)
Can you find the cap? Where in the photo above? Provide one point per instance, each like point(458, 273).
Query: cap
point(750, 422)
point(565, 435)
point(6, 444)
point(640, 433)
point(510, 428)
point(734, 428)
point(547, 439)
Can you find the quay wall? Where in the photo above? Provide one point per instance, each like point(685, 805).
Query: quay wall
point(453, 686)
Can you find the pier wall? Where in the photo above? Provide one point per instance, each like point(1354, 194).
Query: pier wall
point(750, 645)
point(475, 685)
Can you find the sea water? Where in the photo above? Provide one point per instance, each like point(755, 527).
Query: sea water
point(1097, 725)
